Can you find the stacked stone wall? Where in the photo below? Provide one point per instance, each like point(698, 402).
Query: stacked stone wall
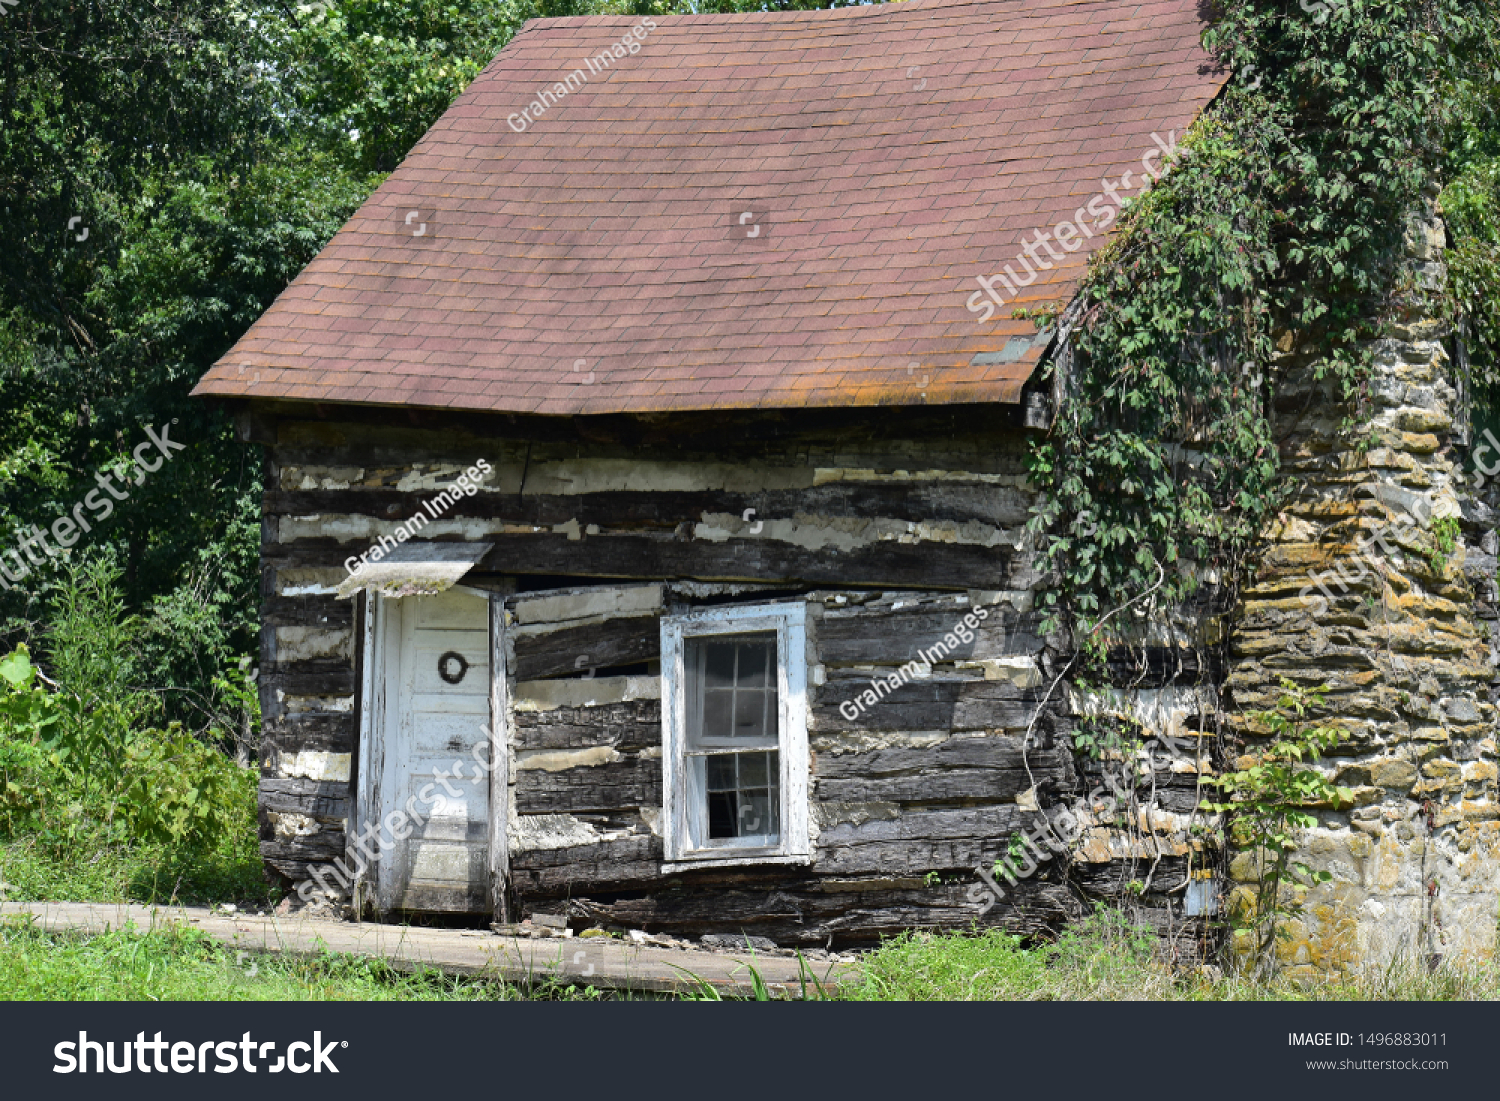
point(1378, 582)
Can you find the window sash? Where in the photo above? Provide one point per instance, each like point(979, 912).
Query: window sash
point(685, 797)
point(697, 689)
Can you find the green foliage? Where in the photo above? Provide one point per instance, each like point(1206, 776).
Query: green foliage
point(159, 129)
point(209, 148)
point(1269, 801)
point(1105, 955)
point(1445, 533)
point(1279, 228)
point(87, 760)
point(366, 78)
point(1472, 206)
point(101, 867)
point(165, 171)
point(1169, 307)
point(1282, 220)
point(1108, 957)
point(28, 714)
point(174, 963)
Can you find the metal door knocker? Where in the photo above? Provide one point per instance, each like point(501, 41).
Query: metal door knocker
point(452, 667)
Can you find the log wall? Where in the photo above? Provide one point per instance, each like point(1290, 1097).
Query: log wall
point(890, 525)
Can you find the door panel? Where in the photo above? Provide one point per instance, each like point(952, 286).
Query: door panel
point(438, 692)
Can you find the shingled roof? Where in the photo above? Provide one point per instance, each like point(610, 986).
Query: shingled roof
point(751, 211)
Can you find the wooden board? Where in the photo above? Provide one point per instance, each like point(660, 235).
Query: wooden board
point(1000, 506)
point(970, 769)
point(574, 650)
point(884, 634)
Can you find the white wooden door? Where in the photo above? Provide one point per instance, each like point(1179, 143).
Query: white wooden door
point(437, 710)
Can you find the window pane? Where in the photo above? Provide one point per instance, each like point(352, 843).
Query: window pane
point(750, 714)
point(758, 813)
point(744, 798)
point(718, 714)
point(718, 663)
point(721, 814)
point(721, 769)
point(753, 770)
point(755, 660)
point(733, 686)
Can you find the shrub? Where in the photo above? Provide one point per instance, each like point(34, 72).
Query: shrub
point(81, 758)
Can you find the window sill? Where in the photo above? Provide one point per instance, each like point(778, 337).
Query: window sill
point(729, 859)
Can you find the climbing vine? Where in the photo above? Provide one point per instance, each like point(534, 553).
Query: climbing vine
point(1278, 229)
point(1471, 205)
point(1274, 240)
point(1269, 800)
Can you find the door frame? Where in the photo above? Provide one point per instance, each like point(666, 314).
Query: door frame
point(380, 654)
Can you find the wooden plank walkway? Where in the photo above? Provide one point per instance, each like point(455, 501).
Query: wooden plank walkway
point(597, 961)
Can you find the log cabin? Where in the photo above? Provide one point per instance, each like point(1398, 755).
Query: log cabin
point(646, 488)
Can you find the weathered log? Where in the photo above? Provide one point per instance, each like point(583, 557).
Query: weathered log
point(978, 437)
point(327, 799)
point(318, 731)
point(805, 914)
point(623, 725)
point(617, 785)
point(992, 769)
point(314, 848)
point(306, 611)
point(918, 842)
point(996, 752)
point(933, 565)
point(999, 506)
point(1158, 666)
point(569, 651)
point(880, 634)
point(622, 863)
point(321, 683)
point(938, 702)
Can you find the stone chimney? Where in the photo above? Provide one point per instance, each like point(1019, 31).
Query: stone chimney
point(1378, 580)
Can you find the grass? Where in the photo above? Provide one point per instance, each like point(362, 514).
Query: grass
point(173, 963)
point(1104, 958)
point(35, 869)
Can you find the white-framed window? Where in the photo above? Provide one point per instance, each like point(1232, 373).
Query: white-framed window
point(734, 735)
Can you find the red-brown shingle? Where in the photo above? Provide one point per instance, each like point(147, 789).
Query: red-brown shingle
point(890, 154)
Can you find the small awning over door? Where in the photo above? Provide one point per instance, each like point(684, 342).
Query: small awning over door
point(416, 569)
